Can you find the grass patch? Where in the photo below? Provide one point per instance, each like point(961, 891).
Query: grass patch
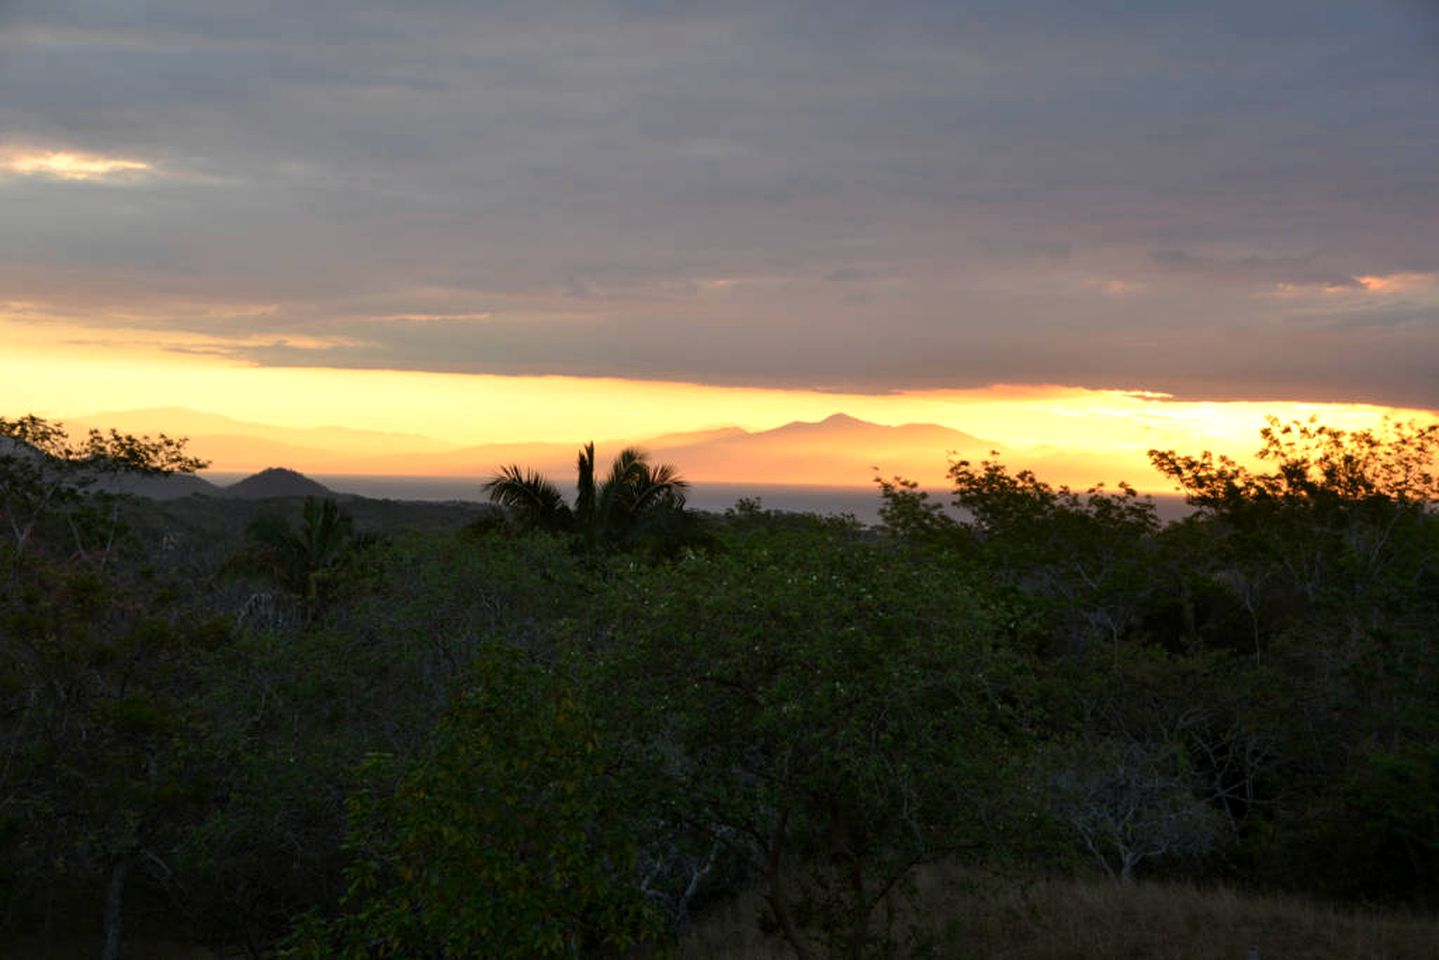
point(963, 915)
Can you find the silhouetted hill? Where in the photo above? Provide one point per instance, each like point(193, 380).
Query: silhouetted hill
point(837, 451)
point(666, 440)
point(276, 482)
point(171, 487)
point(167, 487)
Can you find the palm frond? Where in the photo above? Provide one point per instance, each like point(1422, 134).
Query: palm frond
point(616, 496)
point(635, 486)
point(325, 531)
point(665, 486)
point(604, 513)
point(629, 468)
point(533, 501)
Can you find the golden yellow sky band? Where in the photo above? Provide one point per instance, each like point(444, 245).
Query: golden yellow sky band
point(1110, 428)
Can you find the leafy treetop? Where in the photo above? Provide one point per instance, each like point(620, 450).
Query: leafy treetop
point(1316, 463)
point(44, 470)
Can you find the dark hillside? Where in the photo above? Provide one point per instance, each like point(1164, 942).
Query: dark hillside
point(276, 482)
point(170, 487)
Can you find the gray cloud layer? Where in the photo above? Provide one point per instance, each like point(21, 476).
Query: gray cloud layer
point(1164, 195)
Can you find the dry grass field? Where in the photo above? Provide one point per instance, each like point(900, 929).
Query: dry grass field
point(967, 917)
point(1092, 919)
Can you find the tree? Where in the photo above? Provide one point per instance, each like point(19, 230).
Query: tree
point(1132, 801)
point(97, 669)
point(303, 561)
point(636, 498)
point(825, 711)
point(1315, 463)
point(1342, 527)
point(46, 477)
point(509, 837)
point(910, 515)
point(1330, 550)
point(1084, 559)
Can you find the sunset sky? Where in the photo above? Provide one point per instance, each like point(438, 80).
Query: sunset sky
point(1093, 224)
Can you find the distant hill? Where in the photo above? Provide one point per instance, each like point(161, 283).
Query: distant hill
point(689, 437)
point(837, 451)
point(166, 487)
point(170, 487)
point(275, 482)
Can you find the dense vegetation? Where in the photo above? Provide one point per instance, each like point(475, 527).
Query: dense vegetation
point(567, 735)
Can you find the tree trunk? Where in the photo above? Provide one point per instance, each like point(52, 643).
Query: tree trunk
point(779, 906)
point(859, 903)
point(777, 897)
point(114, 898)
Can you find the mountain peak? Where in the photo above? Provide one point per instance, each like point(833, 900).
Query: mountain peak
point(276, 482)
point(835, 421)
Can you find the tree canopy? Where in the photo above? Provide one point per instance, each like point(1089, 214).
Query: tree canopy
point(635, 499)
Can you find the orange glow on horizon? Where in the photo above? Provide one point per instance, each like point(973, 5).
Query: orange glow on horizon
point(1068, 434)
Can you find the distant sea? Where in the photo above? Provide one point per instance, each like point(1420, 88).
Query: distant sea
point(862, 503)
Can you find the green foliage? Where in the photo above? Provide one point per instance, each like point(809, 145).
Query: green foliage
point(303, 561)
point(104, 764)
point(829, 712)
point(1395, 801)
point(1341, 530)
point(108, 760)
point(46, 479)
point(295, 709)
point(584, 738)
point(1084, 561)
point(1155, 759)
point(909, 514)
point(509, 837)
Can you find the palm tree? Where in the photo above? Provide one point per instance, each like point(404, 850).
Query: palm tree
point(636, 495)
point(302, 561)
point(534, 503)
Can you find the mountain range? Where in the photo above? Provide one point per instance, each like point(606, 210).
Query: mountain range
point(267, 484)
point(839, 451)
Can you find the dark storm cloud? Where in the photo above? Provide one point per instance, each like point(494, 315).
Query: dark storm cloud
point(875, 196)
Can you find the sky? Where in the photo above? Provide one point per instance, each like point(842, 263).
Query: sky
point(721, 212)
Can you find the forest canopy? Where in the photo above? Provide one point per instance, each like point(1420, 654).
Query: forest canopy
point(585, 728)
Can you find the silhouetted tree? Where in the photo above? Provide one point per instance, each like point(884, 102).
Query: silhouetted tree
point(47, 478)
point(97, 674)
point(636, 498)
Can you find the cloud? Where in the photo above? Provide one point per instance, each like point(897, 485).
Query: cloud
point(1276, 272)
point(918, 193)
point(1399, 283)
point(1402, 315)
point(70, 165)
